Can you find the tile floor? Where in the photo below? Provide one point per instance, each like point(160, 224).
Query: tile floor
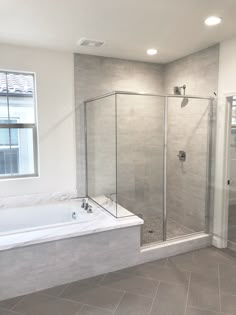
point(197, 283)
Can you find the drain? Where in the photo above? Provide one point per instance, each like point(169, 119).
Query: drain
point(150, 231)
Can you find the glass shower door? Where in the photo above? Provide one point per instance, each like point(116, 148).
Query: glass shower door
point(140, 160)
point(187, 165)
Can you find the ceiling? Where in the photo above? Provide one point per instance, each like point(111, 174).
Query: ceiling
point(175, 27)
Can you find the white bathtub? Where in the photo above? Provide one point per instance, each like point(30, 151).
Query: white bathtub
point(22, 226)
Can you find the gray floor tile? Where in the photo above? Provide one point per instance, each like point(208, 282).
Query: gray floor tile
point(228, 279)
point(55, 291)
point(194, 263)
point(144, 270)
point(228, 303)
point(91, 310)
point(194, 311)
point(86, 293)
point(157, 271)
point(132, 304)
point(213, 255)
point(204, 292)
point(7, 312)
point(171, 299)
point(10, 303)
point(130, 283)
point(37, 304)
point(168, 274)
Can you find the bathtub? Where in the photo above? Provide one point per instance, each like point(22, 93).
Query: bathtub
point(48, 245)
point(56, 220)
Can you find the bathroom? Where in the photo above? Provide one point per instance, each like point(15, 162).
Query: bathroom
point(117, 152)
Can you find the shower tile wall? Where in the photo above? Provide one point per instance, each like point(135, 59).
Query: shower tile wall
point(140, 139)
point(138, 186)
point(98, 75)
point(186, 181)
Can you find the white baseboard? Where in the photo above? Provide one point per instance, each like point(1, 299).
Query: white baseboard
point(219, 242)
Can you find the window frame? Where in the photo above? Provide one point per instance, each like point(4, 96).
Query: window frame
point(32, 126)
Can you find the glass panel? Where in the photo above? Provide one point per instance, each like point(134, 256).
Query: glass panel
point(16, 152)
point(21, 97)
point(101, 152)
point(140, 153)
point(187, 164)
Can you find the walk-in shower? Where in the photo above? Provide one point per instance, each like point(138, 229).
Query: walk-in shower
point(149, 155)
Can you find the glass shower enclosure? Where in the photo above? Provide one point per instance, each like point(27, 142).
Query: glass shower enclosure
point(149, 155)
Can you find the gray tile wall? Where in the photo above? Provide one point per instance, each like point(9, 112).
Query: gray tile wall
point(140, 170)
point(98, 75)
point(186, 182)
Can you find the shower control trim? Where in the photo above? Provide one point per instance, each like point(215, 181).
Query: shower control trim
point(182, 156)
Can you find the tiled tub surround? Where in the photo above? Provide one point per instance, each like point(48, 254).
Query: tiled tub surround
point(202, 282)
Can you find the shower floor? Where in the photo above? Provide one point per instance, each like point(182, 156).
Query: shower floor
point(153, 230)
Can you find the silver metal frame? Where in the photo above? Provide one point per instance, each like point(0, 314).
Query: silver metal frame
point(144, 94)
point(208, 166)
point(209, 153)
point(24, 126)
point(165, 169)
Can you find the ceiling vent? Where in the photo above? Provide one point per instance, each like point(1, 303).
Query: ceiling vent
point(90, 42)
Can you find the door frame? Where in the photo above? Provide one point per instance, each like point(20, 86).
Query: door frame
point(227, 174)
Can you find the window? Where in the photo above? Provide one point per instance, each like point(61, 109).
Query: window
point(18, 129)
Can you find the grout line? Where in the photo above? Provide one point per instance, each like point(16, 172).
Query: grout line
point(207, 310)
point(154, 298)
point(130, 292)
point(98, 307)
point(134, 275)
point(63, 290)
point(219, 287)
point(186, 305)
point(121, 299)
point(22, 299)
point(10, 311)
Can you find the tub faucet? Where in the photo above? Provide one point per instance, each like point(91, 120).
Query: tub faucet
point(85, 204)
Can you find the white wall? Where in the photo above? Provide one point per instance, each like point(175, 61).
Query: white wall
point(55, 99)
point(227, 86)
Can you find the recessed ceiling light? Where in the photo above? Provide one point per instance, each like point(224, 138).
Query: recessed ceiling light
point(151, 51)
point(213, 20)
